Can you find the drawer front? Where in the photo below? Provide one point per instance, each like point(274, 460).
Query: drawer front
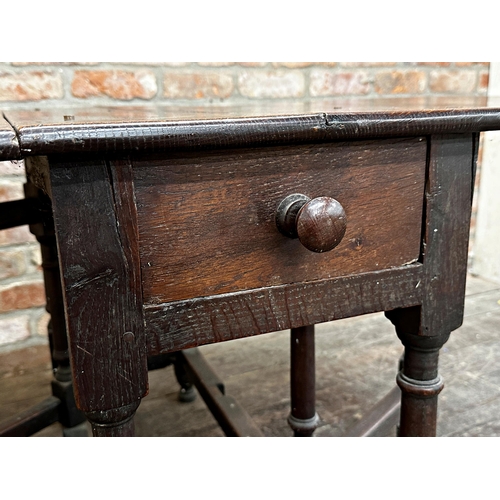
point(207, 221)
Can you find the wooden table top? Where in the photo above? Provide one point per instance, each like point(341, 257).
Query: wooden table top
point(28, 132)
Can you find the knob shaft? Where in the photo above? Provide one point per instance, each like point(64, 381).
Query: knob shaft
point(320, 223)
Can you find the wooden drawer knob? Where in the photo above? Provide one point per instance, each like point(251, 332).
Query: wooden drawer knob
point(319, 223)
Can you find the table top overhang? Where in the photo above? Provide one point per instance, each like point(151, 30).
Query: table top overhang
point(113, 130)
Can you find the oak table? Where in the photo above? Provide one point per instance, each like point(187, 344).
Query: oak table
point(166, 228)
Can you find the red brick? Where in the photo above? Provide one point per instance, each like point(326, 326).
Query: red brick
point(441, 64)
point(292, 65)
point(15, 235)
point(216, 64)
point(151, 63)
point(457, 81)
point(252, 64)
point(22, 296)
point(30, 86)
point(117, 84)
point(273, 84)
point(400, 82)
point(12, 263)
point(14, 329)
point(298, 65)
point(53, 63)
point(484, 80)
point(324, 83)
point(197, 85)
point(366, 64)
point(472, 63)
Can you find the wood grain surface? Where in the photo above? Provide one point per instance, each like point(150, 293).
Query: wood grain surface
point(195, 322)
point(207, 223)
point(112, 130)
point(9, 144)
point(94, 215)
point(448, 198)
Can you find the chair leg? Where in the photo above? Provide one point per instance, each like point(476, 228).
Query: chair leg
point(303, 418)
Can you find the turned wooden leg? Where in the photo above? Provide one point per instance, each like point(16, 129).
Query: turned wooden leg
point(419, 380)
point(303, 418)
point(423, 329)
point(187, 393)
point(420, 385)
point(118, 422)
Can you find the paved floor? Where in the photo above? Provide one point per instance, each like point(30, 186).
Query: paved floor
point(356, 362)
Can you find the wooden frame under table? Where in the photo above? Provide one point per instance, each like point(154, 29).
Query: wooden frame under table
point(167, 237)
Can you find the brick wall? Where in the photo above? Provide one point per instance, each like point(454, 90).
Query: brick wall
point(27, 85)
point(78, 83)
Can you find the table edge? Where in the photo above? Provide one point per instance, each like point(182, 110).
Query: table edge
point(156, 136)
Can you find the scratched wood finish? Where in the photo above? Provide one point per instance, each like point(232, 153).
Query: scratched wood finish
point(449, 189)
point(95, 220)
point(424, 330)
point(160, 128)
point(9, 145)
point(195, 322)
point(447, 207)
point(207, 223)
point(99, 242)
point(237, 132)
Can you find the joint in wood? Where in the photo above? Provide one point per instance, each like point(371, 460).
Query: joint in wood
point(114, 417)
point(303, 426)
point(420, 388)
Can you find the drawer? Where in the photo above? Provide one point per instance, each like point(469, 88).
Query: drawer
point(207, 221)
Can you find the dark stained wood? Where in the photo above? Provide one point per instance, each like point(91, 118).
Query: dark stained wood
point(424, 330)
point(117, 422)
point(321, 224)
point(448, 210)
point(419, 399)
point(303, 418)
point(217, 212)
point(32, 420)
point(179, 325)
point(18, 213)
point(62, 388)
point(233, 419)
point(117, 130)
point(198, 258)
point(381, 418)
point(9, 144)
point(146, 112)
point(98, 247)
point(38, 173)
point(419, 380)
